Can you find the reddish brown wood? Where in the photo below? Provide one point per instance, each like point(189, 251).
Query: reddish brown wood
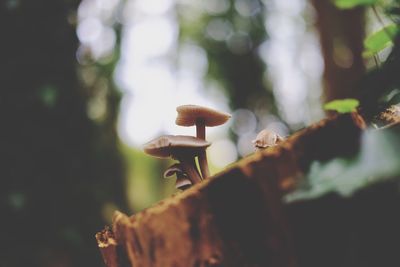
point(235, 218)
point(108, 247)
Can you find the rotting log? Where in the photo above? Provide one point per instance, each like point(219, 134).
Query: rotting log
point(235, 218)
point(108, 247)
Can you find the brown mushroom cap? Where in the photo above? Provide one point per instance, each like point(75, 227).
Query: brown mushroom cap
point(172, 145)
point(266, 138)
point(189, 114)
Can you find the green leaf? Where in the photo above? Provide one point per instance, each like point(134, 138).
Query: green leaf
point(343, 105)
point(380, 40)
point(347, 4)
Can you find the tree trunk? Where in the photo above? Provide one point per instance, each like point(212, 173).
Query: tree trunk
point(341, 36)
point(58, 170)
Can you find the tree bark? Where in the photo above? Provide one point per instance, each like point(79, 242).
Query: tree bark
point(235, 218)
point(108, 247)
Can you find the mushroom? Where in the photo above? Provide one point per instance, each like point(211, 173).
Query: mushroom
point(179, 147)
point(265, 139)
point(182, 181)
point(189, 115)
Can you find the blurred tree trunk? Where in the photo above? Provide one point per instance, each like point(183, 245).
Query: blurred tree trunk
point(341, 35)
point(60, 171)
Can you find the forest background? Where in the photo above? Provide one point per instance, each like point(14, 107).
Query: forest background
point(85, 83)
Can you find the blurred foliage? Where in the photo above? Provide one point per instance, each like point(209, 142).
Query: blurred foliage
point(62, 173)
point(378, 158)
point(145, 185)
point(231, 36)
point(377, 161)
point(379, 88)
point(343, 105)
point(381, 39)
point(346, 4)
point(374, 88)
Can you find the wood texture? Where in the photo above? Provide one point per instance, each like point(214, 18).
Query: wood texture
point(235, 218)
point(108, 247)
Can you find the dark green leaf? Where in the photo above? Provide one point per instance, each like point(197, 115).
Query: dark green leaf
point(393, 11)
point(343, 105)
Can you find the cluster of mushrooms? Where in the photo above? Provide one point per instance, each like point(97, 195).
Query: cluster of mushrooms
point(185, 149)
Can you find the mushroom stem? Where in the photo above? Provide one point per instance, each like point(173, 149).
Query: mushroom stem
point(189, 167)
point(203, 163)
point(201, 129)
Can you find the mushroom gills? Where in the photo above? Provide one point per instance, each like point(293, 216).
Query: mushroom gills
point(183, 183)
point(179, 147)
point(173, 169)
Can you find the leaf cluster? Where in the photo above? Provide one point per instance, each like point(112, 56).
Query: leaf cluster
point(379, 88)
point(385, 36)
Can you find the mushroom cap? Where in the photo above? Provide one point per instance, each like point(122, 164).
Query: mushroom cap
point(189, 114)
point(266, 138)
point(183, 183)
point(172, 145)
point(174, 169)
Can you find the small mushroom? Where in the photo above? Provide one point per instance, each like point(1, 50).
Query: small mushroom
point(179, 147)
point(173, 169)
point(189, 115)
point(183, 184)
point(182, 181)
point(265, 139)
